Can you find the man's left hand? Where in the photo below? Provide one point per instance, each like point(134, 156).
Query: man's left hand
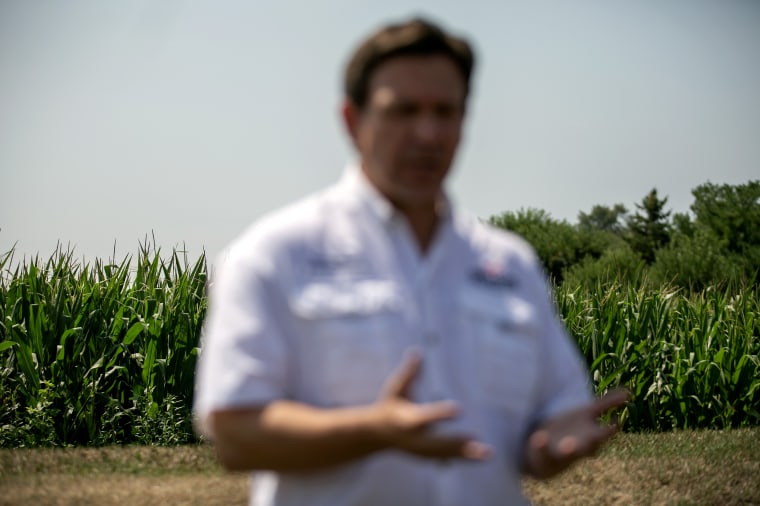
point(562, 440)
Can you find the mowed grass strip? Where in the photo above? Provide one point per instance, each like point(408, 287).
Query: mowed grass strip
point(677, 468)
point(129, 475)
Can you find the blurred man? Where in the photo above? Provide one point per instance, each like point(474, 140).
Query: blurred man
point(373, 345)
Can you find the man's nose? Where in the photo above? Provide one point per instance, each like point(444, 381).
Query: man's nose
point(427, 128)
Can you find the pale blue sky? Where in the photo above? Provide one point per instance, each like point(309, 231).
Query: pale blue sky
point(191, 119)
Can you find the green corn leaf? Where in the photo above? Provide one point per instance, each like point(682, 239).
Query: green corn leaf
point(133, 332)
point(6, 345)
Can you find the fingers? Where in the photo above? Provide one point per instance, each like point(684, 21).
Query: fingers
point(574, 447)
point(611, 400)
point(437, 412)
point(546, 457)
point(475, 450)
point(403, 419)
point(569, 446)
point(448, 447)
point(406, 424)
point(408, 427)
point(399, 383)
point(566, 447)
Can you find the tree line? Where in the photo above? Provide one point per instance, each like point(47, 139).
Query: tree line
point(716, 244)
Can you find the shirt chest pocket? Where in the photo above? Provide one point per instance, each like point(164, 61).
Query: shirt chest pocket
point(347, 338)
point(503, 334)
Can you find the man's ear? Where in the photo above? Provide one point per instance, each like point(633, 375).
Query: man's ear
point(350, 113)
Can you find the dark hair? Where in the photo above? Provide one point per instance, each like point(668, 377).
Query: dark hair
point(414, 37)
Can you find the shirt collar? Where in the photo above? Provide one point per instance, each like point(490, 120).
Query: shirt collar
point(357, 186)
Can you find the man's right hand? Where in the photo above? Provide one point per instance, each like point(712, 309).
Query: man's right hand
point(408, 426)
point(286, 435)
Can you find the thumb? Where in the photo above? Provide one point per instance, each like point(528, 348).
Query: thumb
point(613, 399)
point(400, 381)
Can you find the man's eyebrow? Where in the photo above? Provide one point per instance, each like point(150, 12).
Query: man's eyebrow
point(403, 105)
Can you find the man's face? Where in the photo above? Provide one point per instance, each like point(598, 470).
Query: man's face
point(408, 131)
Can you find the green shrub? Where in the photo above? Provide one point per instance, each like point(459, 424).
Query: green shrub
point(696, 262)
point(616, 266)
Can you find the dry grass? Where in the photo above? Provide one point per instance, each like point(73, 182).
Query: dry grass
point(681, 468)
point(114, 475)
point(684, 468)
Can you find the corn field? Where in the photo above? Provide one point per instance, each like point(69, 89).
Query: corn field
point(99, 354)
point(104, 353)
point(691, 360)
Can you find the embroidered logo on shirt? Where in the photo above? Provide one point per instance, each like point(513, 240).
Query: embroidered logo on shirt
point(331, 299)
point(493, 274)
point(323, 266)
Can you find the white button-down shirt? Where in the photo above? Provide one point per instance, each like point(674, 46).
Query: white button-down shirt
point(318, 303)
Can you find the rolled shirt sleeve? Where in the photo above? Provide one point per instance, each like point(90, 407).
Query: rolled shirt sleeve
point(565, 381)
point(243, 359)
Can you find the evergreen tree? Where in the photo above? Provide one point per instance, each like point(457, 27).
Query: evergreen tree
point(648, 228)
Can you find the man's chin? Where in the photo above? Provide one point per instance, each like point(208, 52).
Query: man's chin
point(418, 198)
